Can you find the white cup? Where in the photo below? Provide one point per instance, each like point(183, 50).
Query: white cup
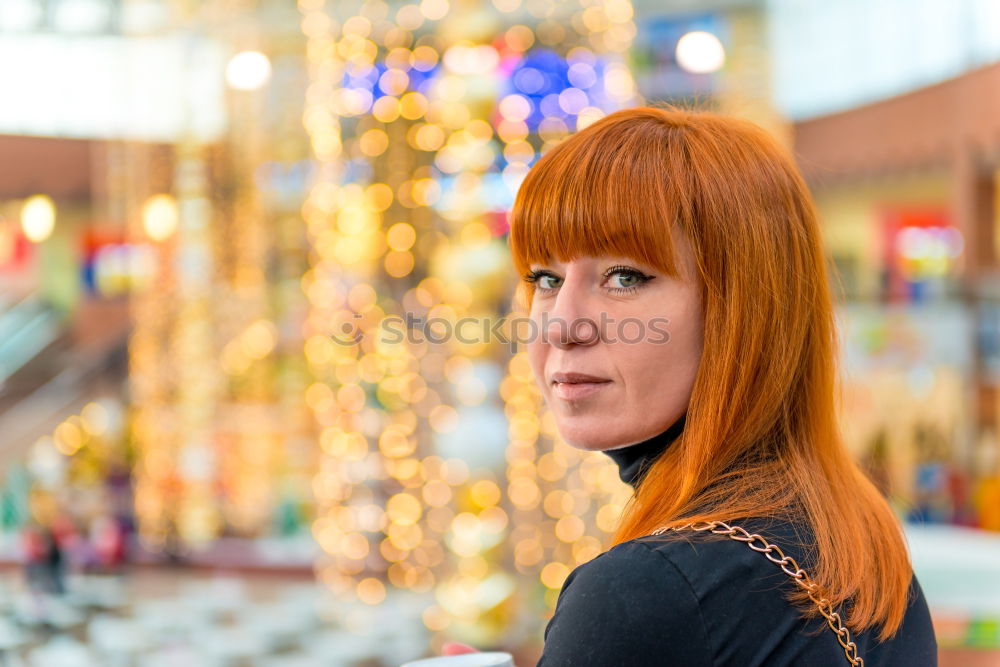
point(493, 659)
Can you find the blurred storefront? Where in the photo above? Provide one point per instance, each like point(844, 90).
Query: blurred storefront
point(909, 204)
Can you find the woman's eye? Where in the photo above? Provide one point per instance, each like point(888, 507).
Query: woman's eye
point(548, 281)
point(543, 280)
point(626, 280)
point(623, 279)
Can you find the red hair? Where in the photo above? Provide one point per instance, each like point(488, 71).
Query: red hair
point(761, 436)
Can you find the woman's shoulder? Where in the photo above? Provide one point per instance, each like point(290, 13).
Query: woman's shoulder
point(693, 562)
point(627, 605)
point(716, 554)
point(744, 596)
point(658, 594)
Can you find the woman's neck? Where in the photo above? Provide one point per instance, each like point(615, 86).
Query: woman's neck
point(633, 460)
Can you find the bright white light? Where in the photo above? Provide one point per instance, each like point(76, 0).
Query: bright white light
point(159, 217)
point(700, 52)
point(143, 16)
point(38, 218)
point(463, 59)
point(19, 15)
point(515, 107)
point(82, 15)
point(248, 70)
point(108, 79)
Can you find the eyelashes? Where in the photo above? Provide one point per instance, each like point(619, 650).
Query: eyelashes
point(535, 277)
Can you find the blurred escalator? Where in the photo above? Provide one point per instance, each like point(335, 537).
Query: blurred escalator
point(51, 365)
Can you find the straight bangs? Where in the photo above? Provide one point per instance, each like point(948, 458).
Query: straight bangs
point(596, 194)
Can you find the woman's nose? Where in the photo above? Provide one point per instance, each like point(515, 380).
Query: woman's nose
point(570, 321)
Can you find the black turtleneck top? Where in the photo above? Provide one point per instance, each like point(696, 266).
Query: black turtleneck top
point(674, 602)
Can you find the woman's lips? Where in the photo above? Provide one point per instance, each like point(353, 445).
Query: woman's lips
point(571, 391)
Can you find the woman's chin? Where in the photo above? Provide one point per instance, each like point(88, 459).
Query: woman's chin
point(591, 438)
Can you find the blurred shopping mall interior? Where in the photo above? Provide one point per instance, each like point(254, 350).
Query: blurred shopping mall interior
point(208, 208)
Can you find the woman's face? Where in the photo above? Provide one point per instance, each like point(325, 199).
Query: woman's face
point(631, 333)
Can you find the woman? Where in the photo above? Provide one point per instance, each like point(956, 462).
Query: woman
point(703, 222)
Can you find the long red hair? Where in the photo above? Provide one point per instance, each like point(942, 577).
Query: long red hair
point(761, 436)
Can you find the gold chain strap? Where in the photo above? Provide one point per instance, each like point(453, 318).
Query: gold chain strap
point(789, 567)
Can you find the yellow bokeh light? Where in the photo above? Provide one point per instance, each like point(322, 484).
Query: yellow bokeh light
point(371, 591)
point(523, 492)
point(449, 88)
point(475, 234)
point(595, 19)
point(434, 10)
point(425, 58)
point(401, 236)
point(395, 443)
point(554, 574)
point(528, 552)
point(403, 509)
point(507, 6)
point(520, 37)
point(394, 81)
point(259, 339)
point(475, 567)
point(399, 263)
point(436, 493)
point(386, 109)
point(480, 130)
point(485, 493)
point(319, 397)
point(233, 360)
point(436, 619)
point(455, 471)
point(398, 58)
point(373, 142)
point(380, 196)
point(361, 297)
point(443, 419)
point(353, 219)
point(357, 25)
point(455, 116)
point(513, 130)
point(570, 528)
point(607, 518)
point(519, 151)
point(351, 397)
point(412, 105)
point(405, 468)
point(558, 503)
point(426, 191)
point(406, 537)
point(96, 419)
point(409, 17)
point(428, 137)
point(354, 546)
point(494, 519)
point(68, 438)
